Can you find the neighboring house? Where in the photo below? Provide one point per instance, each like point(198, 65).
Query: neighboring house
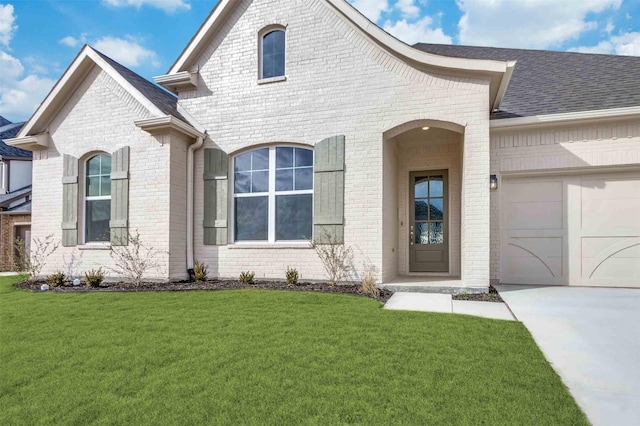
point(301, 118)
point(15, 194)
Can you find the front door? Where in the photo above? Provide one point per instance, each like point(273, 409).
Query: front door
point(428, 230)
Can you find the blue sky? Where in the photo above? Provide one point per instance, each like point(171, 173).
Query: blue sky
point(39, 38)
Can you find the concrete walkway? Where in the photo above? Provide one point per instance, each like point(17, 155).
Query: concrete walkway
point(591, 336)
point(432, 302)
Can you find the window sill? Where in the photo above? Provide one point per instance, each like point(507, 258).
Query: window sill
point(272, 79)
point(95, 246)
point(270, 246)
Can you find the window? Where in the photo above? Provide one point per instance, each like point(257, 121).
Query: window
point(97, 198)
point(273, 194)
point(272, 54)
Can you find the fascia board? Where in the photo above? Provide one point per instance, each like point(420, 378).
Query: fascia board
point(564, 118)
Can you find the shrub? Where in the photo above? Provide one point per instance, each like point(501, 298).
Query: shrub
point(292, 276)
point(336, 258)
point(57, 279)
point(368, 285)
point(247, 277)
point(33, 262)
point(132, 259)
point(200, 271)
point(94, 277)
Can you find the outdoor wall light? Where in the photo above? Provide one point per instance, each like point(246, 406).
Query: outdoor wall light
point(425, 128)
point(493, 182)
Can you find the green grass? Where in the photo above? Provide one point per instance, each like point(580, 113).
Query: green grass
point(264, 357)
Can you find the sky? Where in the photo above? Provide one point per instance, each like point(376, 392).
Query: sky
point(40, 38)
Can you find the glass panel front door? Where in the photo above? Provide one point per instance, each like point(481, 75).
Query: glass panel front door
point(428, 244)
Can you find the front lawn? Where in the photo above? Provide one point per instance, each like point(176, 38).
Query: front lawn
point(264, 357)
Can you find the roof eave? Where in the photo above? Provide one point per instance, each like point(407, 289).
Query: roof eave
point(577, 117)
point(158, 125)
point(30, 143)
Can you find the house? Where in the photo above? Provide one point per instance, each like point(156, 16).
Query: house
point(296, 119)
point(15, 194)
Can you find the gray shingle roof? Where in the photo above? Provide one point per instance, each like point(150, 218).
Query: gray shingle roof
point(165, 101)
point(547, 82)
point(9, 131)
point(7, 199)
point(4, 121)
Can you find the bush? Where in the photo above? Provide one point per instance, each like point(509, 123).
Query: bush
point(94, 277)
point(292, 276)
point(57, 279)
point(200, 271)
point(336, 258)
point(247, 277)
point(132, 259)
point(33, 262)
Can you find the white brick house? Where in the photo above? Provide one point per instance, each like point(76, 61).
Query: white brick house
point(301, 118)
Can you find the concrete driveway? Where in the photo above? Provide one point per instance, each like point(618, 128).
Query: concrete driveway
point(591, 336)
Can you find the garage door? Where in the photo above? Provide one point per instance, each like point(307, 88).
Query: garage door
point(571, 230)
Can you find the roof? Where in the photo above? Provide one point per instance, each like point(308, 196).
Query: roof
point(4, 121)
point(165, 101)
point(549, 82)
point(21, 209)
point(6, 199)
point(8, 131)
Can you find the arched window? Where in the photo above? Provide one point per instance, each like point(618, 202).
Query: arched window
point(272, 54)
point(273, 194)
point(97, 200)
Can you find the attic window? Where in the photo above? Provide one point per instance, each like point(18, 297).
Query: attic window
point(272, 53)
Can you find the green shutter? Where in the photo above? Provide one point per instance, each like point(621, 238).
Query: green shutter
point(69, 201)
point(216, 187)
point(328, 190)
point(119, 223)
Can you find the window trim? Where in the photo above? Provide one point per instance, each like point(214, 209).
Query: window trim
point(261, 35)
point(85, 198)
point(271, 196)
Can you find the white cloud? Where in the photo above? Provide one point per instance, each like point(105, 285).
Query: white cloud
point(20, 94)
point(7, 24)
point(419, 31)
point(69, 41)
point(408, 8)
point(372, 9)
point(169, 6)
point(623, 44)
point(534, 24)
point(127, 51)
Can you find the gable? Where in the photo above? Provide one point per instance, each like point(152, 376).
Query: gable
point(226, 14)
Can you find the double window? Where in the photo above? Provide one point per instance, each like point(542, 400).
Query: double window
point(273, 194)
point(272, 54)
point(97, 198)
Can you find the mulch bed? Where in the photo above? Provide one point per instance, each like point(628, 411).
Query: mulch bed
point(210, 285)
point(384, 294)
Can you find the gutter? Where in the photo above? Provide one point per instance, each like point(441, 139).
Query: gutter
point(190, 201)
point(565, 118)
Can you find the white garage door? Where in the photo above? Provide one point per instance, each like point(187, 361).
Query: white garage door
point(571, 230)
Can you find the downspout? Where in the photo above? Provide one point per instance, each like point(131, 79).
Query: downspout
point(190, 207)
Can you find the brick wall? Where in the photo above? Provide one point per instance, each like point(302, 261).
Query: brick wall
point(578, 148)
point(338, 82)
point(8, 237)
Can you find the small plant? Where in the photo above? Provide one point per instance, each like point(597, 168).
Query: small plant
point(200, 271)
point(132, 259)
point(335, 256)
point(57, 279)
point(368, 285)
point(247, 277)
point(94, 277)
point(33, 262)
point(292, 276)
